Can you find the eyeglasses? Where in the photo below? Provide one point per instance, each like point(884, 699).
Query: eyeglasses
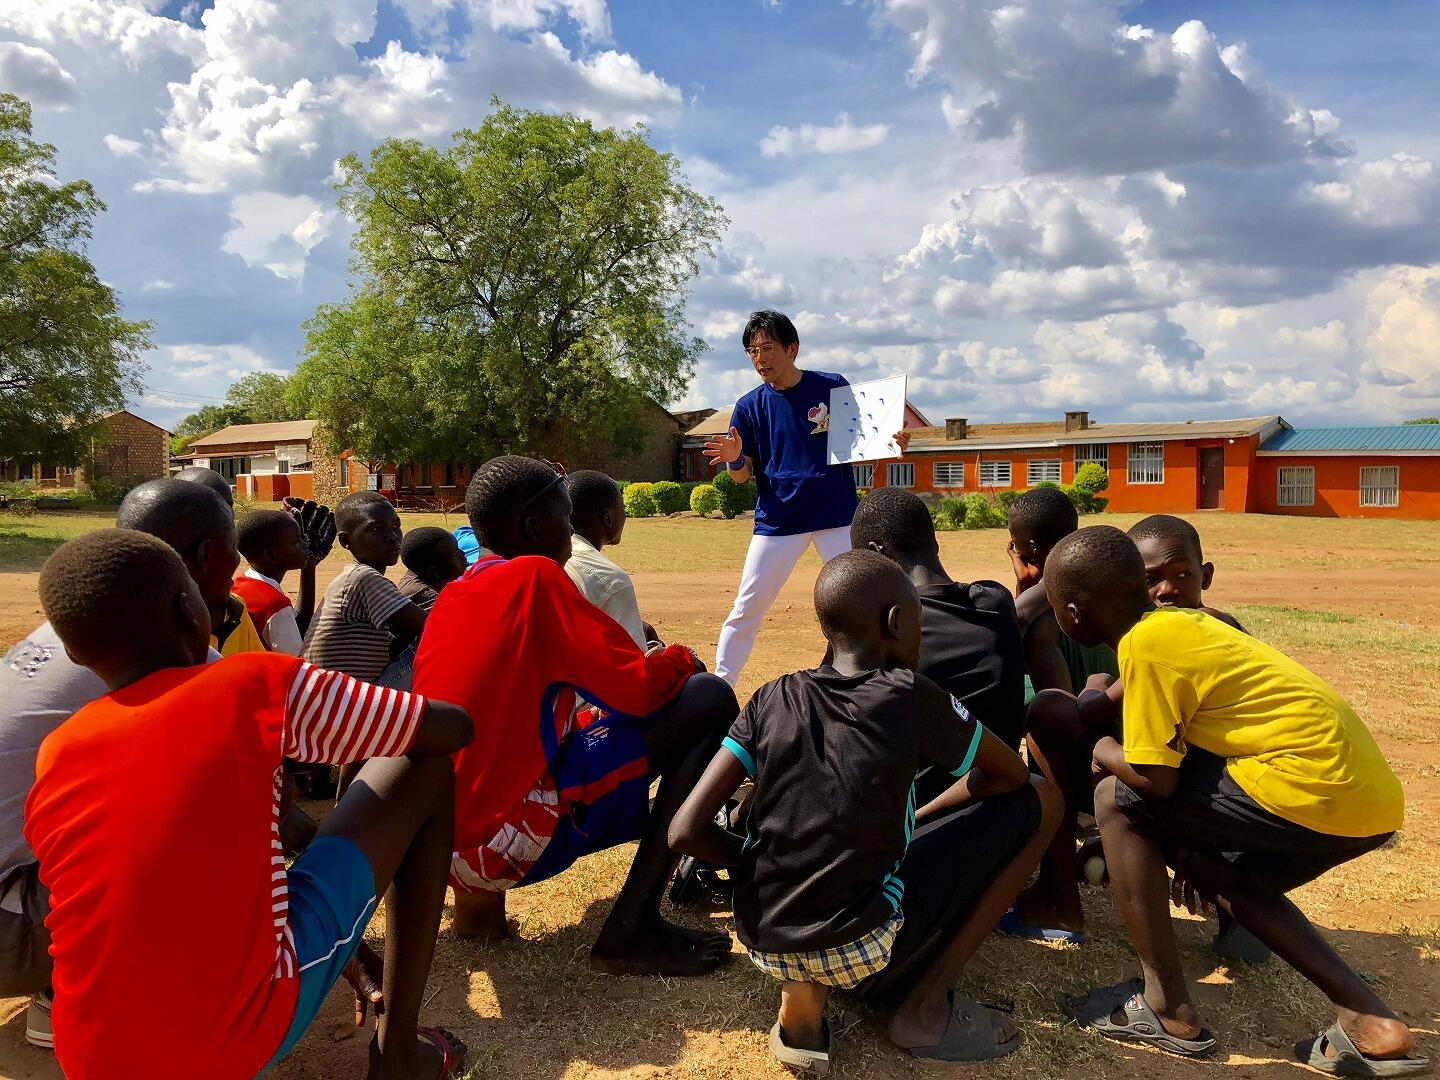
point(558, 480)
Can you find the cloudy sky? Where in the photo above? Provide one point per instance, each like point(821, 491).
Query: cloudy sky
point(1176, 208)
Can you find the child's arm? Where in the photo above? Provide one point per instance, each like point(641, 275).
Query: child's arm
point(317, 522)
point(997, 770)
point(955, 741)
point(1044, 662)
point(1152, 781)
point(406, 623)
point(693, 829)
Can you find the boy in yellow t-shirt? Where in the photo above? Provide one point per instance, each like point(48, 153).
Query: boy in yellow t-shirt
point(1246, 773)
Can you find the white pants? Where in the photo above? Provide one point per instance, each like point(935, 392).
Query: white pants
point(768, 565)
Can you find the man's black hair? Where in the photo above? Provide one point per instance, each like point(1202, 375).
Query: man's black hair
point(773, 324)
point(350, 511)
point(420, 549)
point(1099, 563)
point(896, 519)
point(1167, 527)
point(198, 474)
point(109, 589)
point(501, 489)
point(1047, 514)
point(854, 592)
point(261, 529)
point(591, 494)
point(181, 514)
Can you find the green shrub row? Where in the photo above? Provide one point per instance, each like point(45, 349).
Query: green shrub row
point(664, 497)
point(981, 511)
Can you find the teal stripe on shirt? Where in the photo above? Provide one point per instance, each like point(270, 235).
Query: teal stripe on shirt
point(969, 762)
point(741, 754)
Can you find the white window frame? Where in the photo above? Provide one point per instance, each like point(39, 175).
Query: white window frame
point(282, 465)
point(995, 469)
point(345, 474)
point(1295, 485)
point(1376, 489)
point(900, 474)
point(1096, 452)
point(948, 474)
point(1145, 463)
point(863, 475)
point(1035, 474)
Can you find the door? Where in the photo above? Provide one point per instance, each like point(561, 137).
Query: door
point(1212, 478)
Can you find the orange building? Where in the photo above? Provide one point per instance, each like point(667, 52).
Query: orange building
point(1391, 471)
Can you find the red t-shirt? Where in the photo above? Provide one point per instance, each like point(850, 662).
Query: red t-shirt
point(261, 598)
point(512, 642)
point(155, 817)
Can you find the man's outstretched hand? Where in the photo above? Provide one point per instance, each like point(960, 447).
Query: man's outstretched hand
point(317, 523)
point(724, 448)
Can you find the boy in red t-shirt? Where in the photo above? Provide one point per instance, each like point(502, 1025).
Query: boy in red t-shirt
point(514, 641)
point(155, 812)
point(274, 542)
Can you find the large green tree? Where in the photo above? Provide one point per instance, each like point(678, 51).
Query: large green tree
point(521, 290)
point(262, 397)
point(67, 356)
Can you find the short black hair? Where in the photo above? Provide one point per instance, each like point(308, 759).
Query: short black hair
point(198, 474)
point(106, 591)
point(591, 494)
point(854, 592)
point(1098, 563)
point(420, 548)
point(350, 511)
point(1167, 527)
point(1047, 514)
point(501, 489)
point(773, 324)
point(261, 529)
point(896, 519)
point(181, 514)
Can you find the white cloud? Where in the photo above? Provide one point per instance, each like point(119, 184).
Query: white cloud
point(191, 361)
point(122, 147)
point(33, 73)
point(276, 231)
point(841, 137)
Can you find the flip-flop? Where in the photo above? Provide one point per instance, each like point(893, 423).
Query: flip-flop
point(1141, 1024)
point(815, 1061)
point(451, 1060)
point(1011, 926)
point(969, 1035)
point(1349, 1061)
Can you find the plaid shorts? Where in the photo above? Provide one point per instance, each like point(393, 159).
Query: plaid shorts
point(843, 966)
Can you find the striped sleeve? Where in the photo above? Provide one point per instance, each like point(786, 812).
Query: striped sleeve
point(332, 719)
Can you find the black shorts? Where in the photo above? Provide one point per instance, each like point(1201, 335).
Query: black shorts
point(949, 863)
point(24, 941)
point(1210, 814)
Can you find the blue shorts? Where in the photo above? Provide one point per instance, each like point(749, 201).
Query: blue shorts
point(332, 896)
point(602, 773)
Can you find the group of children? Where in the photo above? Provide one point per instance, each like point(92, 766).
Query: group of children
point(504, 710)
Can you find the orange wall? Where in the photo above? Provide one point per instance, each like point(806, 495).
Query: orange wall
point(1337, 486)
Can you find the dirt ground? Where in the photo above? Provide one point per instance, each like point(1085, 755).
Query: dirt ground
point(1358, 601)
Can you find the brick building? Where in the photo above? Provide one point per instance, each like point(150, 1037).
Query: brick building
point(126, 450)
point(264, 461)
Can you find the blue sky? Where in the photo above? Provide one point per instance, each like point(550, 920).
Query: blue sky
point(1149, 210)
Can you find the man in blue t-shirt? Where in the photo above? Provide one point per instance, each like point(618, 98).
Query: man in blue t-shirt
point(780, 435)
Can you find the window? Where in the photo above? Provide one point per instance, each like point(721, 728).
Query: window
point(949, 474)
point(1297, 486)
point(864, 475)
point(900, 474)
point(344, 474)
point(1096, 452)
point(282, 465)
point(449, 474)
point(1146, 463)
point(1380, 485)
point(995, 474)
point(1044, 471)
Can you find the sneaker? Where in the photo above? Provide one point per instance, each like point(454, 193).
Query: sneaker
point(37, 1022)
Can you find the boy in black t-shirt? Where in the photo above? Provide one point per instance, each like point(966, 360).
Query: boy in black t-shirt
point(842, 882)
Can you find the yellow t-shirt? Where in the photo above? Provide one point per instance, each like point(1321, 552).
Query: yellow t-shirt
point(244, 638)
point(1291, 742)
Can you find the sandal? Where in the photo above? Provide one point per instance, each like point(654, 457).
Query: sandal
point(1011, 926)
point(452, 1060)
point(1141, 1024)
point(969, 1035)
point(1349, 1061)
point(815, 1061)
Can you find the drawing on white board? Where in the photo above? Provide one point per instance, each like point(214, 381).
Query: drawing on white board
point(864, 418)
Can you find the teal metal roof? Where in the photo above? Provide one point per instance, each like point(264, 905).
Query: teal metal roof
point(1411, 438)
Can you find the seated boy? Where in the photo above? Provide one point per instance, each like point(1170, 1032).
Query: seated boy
point(514, 641)
point(362, 610)
point(1246, 773)
point(969, 635)
point(432, 559)
point(1176, 572)
point(597, 517)
point(274, 543)
point(232, 630)
point(158, 836)
point(831, 890)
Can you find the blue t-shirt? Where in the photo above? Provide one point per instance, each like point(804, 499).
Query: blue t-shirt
point(786, 436)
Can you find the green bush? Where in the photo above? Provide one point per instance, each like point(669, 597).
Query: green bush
point(949, 514)
point(1090, 479)
point(734, 498)
point(981, 512)
point(1007, 499)
point(107, 492)
point(669, 497)
point(640, 500)
point(705, 500)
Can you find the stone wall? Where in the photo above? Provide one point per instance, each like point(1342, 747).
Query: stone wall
point(130, 451)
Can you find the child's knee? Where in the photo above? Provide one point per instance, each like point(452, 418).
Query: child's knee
point(1052, 714)
point(1107, 809)
point(712, 697)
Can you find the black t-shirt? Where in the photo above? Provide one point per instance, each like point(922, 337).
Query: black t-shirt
point(834, 759)
point(970, 645)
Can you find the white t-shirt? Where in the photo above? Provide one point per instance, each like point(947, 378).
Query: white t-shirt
point(605, 585)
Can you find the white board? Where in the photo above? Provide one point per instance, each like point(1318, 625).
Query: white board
point(863, 419)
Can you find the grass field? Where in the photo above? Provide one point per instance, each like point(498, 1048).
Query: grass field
point(1358, 601)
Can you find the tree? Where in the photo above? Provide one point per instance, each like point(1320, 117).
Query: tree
point(67, 357)
point(1423, 420)
point(262, 397)
point(522, 290)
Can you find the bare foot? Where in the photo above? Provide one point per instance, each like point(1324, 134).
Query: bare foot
point(481, 915)
point(1377, 1037)
point(426, 1060)
point(659, 948)
point(1062, 912)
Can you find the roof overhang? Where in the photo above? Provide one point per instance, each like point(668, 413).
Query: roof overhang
point(1432, 452)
